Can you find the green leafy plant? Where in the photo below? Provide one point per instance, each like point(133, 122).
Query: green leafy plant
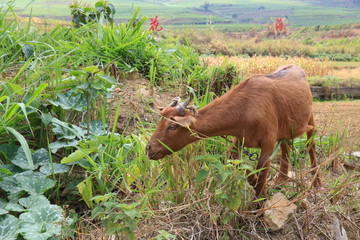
point(83, 14)
point(25, 185)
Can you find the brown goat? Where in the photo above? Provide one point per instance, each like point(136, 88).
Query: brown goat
point(258, 112)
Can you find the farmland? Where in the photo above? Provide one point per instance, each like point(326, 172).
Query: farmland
point(78, 106)
point(221, 14)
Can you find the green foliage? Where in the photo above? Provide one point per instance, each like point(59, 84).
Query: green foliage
point(83, 14)
point(25, 186)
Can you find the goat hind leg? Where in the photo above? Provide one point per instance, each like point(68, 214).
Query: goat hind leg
point(284, 163)
point(311, 148)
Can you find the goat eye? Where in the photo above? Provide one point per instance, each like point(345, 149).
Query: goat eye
point(173, 126)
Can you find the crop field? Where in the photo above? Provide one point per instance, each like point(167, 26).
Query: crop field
point(233, 13)
point(79, 102)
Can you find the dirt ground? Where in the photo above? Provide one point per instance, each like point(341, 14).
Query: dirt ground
point(342, 117)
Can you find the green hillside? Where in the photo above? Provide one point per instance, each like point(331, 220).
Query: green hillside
point(215, 12)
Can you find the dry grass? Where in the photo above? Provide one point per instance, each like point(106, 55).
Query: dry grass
point(351, 75)
point(314, 218)
point(343, 33)
point(266, 65)
point(343, 117)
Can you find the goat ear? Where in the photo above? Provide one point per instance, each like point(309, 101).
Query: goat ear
point(187, 121)
point(158, 107)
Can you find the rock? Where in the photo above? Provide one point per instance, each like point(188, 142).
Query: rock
point(356, 154)
point(144, 92)
point(339, 231)
point(278, 212)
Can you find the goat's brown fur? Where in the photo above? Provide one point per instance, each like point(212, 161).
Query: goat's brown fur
point(258, 112)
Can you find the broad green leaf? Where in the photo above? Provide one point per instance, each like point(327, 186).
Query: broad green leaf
point(246, 166)
point(132, 213)
point(10, 184)
point(40, 158)
point(46, 118)
point(55, 146)
point(201, 175)
point(34, 201)
point(99, 9)
point(8, 227)
point(67, 83)
point(99, 4)
point(97, 127)
point(85, 189)
point(41, 223)
point(234, 202)
point(35, 186)
point(54, 168)
point(98, 85)
point(13, 207)
point(88, 9)
point(69, 100)
point(3, 212)
point(97, 211)
point(235, 161)
point(21, 161)
point(78, 154)
point(77, 73)
point(107, 78)
point(91, 69)
point(83, 86)
point(24, 146)
point(208, 158)
point(12, 168)
point(67, 131)
point(112, 9)
point(9, 150)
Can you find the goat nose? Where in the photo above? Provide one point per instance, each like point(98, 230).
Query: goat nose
point(148, 147)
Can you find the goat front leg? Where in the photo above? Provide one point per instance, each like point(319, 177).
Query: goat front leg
point(264, 162)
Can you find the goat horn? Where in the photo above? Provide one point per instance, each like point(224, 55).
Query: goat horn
point(187, 101)
point(182, 106)
point(175, 101)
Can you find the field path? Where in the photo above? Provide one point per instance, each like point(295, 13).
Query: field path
point(341, 116)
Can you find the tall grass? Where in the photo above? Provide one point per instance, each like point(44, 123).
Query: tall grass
point(266, 65)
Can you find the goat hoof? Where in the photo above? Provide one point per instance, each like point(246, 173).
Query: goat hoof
point(317, 183)
point(281, 180)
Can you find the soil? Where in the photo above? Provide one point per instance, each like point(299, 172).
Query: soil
point(138, 102)
point(339, 117)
